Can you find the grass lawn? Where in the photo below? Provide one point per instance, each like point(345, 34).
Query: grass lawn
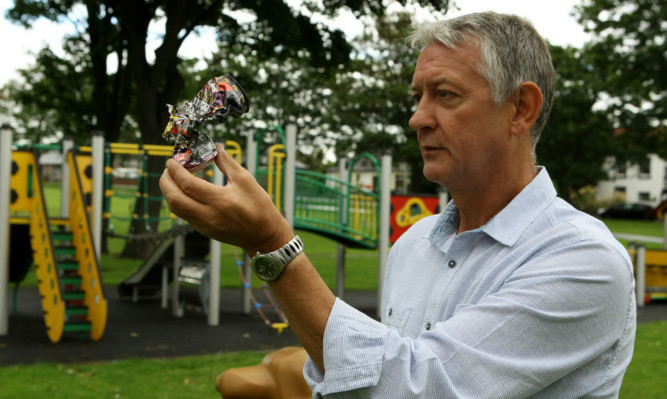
point(194, 377)
point(645, 377)
point(361, 264)
point(653, 228)
point(182, 378)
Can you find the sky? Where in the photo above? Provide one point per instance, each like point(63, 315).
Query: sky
point(551, 18)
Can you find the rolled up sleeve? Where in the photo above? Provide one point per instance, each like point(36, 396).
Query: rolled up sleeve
point(353, 352)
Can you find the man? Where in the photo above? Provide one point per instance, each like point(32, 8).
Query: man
point(509, 293)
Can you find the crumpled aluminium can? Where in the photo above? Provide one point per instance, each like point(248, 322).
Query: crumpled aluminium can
point(219, 99)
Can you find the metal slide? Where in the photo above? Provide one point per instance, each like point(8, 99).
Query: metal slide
point(65, 259)
point(145, 282)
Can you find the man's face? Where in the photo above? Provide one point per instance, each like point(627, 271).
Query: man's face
point(462, 135)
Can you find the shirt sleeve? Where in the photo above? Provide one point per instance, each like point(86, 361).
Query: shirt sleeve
point(353, 351)
point(561, 317)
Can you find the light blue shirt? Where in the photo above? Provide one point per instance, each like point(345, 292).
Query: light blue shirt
point(539, 302)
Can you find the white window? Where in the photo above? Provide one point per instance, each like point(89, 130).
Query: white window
point(619, 191)
point(620, 171)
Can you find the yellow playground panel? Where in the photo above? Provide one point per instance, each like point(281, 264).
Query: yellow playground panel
point(363, 214)
point(650, 273)
point(275, 173)
point(656, 268)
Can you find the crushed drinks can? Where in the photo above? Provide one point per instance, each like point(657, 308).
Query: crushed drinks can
point(219, 99)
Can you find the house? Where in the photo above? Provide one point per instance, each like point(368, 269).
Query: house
point(51, 163)
point(645, 182)
point(365, 176)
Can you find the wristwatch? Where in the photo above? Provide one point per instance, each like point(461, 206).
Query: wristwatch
point(269, 265)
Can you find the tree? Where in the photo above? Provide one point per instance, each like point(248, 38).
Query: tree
point(377, 101)
point(79, 84)
point(120, 29)
point(363, 107)
point(629, 55)
point(577, 138)
point(45, 111)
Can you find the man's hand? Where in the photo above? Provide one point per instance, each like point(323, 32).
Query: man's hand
point(240, 213)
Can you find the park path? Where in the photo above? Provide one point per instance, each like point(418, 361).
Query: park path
point(638, 237)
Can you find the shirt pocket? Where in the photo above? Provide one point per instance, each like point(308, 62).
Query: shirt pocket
point(397, 318)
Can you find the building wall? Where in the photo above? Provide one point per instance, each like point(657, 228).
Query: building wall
point(365, 176)
point(646, 183)
point(367, 180)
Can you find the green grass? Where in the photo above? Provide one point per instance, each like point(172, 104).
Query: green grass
point(360, 264)
point(181, 378)
point(653, 228)
point(645, 377)
point(191, 377)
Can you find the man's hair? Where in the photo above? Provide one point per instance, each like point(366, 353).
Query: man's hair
point(511, 52)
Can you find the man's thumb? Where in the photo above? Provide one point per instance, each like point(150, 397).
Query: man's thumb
point(225, 162)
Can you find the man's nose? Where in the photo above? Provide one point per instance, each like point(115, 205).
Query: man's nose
point(422, 117)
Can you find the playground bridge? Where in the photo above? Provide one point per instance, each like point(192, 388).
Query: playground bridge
point(323, 204)
point(336, 209)
point(330, 207)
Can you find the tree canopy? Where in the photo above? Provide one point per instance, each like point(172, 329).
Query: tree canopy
point(141, 86)
point(349, 96)
point(132, 94)
point(577, 137)
point(629, 56)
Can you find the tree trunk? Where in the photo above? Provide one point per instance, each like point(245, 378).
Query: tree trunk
point(157, 86)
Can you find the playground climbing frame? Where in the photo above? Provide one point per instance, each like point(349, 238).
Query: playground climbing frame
point(65, 259)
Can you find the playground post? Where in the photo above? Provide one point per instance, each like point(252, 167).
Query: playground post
point(5, 176)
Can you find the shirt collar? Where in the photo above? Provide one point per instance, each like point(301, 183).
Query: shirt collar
point(510, 223)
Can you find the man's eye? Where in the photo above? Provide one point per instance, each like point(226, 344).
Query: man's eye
point(416, 98)
point(445, 93)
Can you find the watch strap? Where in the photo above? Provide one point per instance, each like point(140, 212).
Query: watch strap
point(288, 251)
point(269, 270)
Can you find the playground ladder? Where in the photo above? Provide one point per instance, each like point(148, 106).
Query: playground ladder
point(65, 259)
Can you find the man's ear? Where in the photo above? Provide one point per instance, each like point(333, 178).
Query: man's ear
point(528, 103)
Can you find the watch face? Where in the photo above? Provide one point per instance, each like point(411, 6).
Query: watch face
point(265, 267)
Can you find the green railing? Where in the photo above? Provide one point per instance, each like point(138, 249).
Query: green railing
point(334, 208)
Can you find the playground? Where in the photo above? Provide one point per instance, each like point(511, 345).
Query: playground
point(164, 307)
point(59, 216)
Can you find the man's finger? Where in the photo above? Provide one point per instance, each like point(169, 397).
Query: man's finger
point(195, 188)
point(179, 203)
point(227, 165)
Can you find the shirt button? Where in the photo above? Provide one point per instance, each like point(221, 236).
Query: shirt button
point(390, 311)
point(452, 264)
point(428, 326)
